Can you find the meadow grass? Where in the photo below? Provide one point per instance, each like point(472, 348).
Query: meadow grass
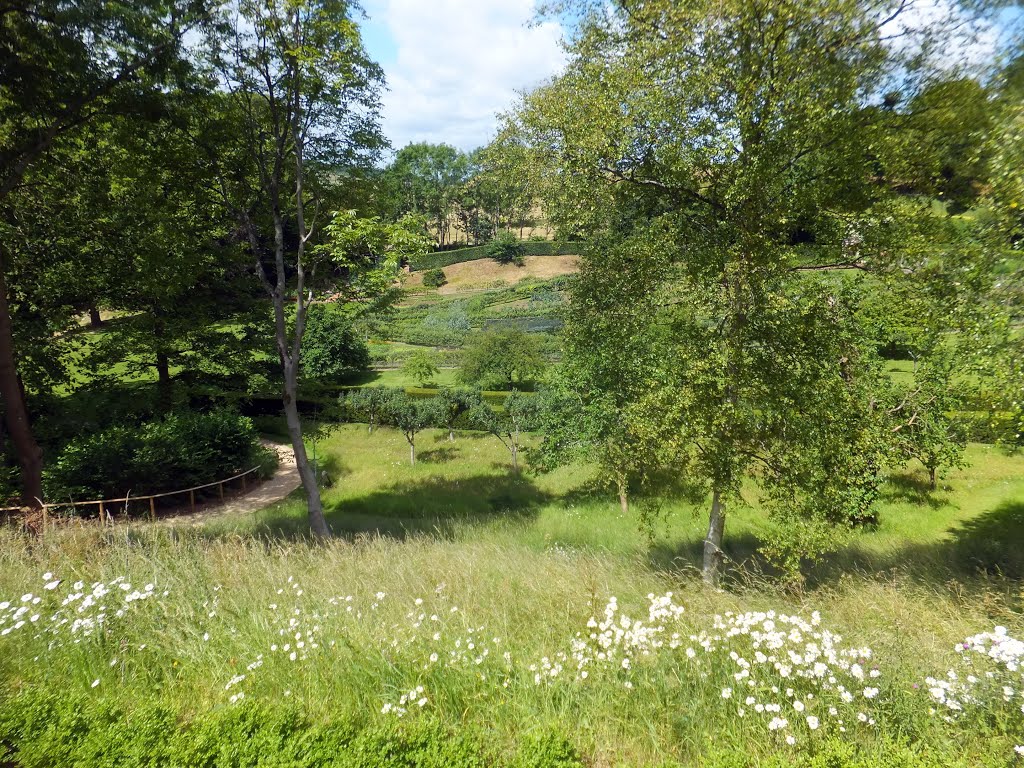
point(518, 564)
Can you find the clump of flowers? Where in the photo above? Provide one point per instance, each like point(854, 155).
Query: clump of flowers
point(72, 612)
point(789, 672)
point(988, 680)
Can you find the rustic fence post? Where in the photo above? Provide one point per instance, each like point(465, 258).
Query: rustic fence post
point(192, 501)
point(220, 490)
point(102, 512)
point(152, 509)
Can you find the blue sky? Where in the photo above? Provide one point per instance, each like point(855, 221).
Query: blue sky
point(451, 65)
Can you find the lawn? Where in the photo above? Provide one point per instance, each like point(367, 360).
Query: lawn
point(289, 643)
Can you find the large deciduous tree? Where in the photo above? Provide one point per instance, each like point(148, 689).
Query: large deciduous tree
point(307, 97)
point(63, 64)
point(724, 150)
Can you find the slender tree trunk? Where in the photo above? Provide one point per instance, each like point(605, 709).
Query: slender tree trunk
point(713, 555)
point(515, 458)
point(317, 522)
point(933, 480)
point(412, 453)
point(30, 456)
point(95, 321)
point(451, 435)
point(623, 496)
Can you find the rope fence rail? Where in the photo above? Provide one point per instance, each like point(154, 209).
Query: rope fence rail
point(103, 504)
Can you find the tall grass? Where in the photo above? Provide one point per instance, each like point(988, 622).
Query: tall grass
point(514, 565)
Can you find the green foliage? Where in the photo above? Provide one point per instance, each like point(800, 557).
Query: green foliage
point(506, 248)
point(368, 405)
point(331, 351)
point(501, 359)
point(434, 278)
point(453, 403)
point(510, 423)
point(41, 729)
point(178, 451)
point(410, 416)
point(460, 255)
point(420, 368)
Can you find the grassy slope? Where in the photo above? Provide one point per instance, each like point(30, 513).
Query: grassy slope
point(526, 560)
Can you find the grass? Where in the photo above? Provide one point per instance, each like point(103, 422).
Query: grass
point(527, 560)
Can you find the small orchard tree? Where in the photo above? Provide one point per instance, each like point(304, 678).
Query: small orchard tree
point(501, 359)
point(410, 416)
point(331, 350)
point(510, 423)
point(453, 403)
point(420, 367)
point(367, 404)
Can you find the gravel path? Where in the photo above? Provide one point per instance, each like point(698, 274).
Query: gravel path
point(285, 480)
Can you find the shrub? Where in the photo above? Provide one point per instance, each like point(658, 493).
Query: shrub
point(460, 255)
point(181, 450)
point(506, 249)
point(434, 278)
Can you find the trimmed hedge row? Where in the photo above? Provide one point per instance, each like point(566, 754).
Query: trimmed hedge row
point(530, 248)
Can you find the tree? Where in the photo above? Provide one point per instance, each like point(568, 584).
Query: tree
point(452, 404)
point(307, 95)
point(410, 416)
point(331, 351)
point(426, 178)
point(501, 358)
point(368, 404)
point(723, 152)
point(64, 64)
point(420, 367)
point(510, 424)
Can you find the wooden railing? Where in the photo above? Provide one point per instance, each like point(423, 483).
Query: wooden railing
point(104, 504)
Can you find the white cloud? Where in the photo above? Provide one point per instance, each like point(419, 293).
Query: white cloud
point(459, 62)
point(964, 42)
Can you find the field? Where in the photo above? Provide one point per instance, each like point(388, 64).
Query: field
point(306, 650)
point(487, 273)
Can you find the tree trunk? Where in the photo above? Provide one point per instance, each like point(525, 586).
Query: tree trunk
point(412, 453)
point(317, 522)
point(451, 435)
point(30, 456)
point(623, 496)
point(95, 321)
point(713, 555)
point(515, 458)
point(933, 480)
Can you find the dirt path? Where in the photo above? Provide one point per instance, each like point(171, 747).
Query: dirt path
point(285, 480)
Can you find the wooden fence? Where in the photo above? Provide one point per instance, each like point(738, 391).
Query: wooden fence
point(103, 505)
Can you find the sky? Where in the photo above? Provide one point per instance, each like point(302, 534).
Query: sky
point(452, 65)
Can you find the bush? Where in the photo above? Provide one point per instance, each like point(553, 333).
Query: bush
point(179, 451)
point(501, 359)
point(506, 248)
point(420, 368)
point(434, 278)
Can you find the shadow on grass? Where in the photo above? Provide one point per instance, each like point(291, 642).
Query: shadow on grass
point(912, 488)
point(435, 505)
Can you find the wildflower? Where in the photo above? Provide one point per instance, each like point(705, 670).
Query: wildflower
point(870, 693)
point(812, 722)
point(726, 693)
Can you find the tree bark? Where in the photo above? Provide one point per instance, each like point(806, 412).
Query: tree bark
point(412, 453)
point(317, 522)
point(95, 321)
point(623, 497)
point(30, 456)
point(451, 435)
point(933, 480)
point(713, 555)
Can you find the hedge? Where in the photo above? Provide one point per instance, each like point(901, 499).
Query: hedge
point(530, 248)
